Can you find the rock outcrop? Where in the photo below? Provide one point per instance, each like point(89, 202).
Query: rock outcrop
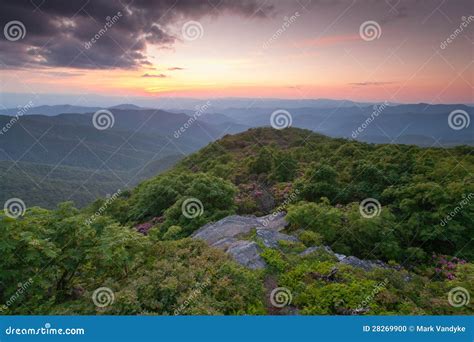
point(270, 238)
point(353, 261)
point(227, 234)
point(316, 248)
point(367, 265)
point(247, 253)
point(235, 225)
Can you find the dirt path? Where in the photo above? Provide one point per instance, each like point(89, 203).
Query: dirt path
point(271, 283)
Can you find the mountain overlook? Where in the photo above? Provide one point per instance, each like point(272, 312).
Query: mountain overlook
point(63, 144)
point(342, 217)
point(237, 158)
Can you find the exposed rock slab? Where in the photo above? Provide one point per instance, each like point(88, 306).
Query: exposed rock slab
point(235, 225)
point(367, 265)
point(316, 248)
point(224, 243)
point(224, 234)
point(247, 253)
point(353, 261)
point(270, 238)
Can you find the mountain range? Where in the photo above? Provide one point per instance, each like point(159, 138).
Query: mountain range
point(58, 150)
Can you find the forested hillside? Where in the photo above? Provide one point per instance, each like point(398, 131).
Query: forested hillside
point(407, 208)
point(46, 185)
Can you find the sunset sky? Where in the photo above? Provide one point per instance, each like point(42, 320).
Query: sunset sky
point(243, 50)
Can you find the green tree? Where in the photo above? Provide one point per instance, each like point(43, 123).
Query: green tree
point(262, 163)
point(320, 181)
point(284, 167)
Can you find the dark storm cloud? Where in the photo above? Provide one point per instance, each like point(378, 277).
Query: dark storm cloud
point(102, 34)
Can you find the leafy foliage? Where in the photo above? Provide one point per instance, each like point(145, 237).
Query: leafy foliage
point(138, 245)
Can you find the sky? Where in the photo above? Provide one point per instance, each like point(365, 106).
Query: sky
point(370, 50)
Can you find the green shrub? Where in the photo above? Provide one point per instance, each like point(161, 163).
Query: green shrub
point(274, 259)
point(310, 238)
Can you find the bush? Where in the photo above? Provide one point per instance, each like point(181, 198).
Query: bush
point(274, 260)
point(310, 238)
point(209, 198)
point(173, 233)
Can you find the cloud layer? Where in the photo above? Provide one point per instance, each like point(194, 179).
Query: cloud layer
point(102, 34)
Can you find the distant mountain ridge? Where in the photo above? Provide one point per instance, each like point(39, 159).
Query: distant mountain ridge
point(388, 124)
point(63, 109)
point(66, 154)
point(142, 141)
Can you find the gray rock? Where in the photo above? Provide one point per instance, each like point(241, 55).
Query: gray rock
point(367, 265)
point(224, 243)
point(235, 225)
point(340, 257)
point(247, 253)
point(270, 237)
point(353, 261)
point(274, 221)
point(224, 234)
point(310, 250)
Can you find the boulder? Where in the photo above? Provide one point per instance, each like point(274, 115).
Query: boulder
point(235, 225)
point(270, 237)
point(224, 243)
point(339, 257)
point(224, 234)
point(353, 261)
point(316, 248)
point(367, 265)
point(274, 221)
point(247, 253)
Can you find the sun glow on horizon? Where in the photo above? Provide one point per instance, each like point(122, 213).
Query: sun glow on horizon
point(236, 57)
